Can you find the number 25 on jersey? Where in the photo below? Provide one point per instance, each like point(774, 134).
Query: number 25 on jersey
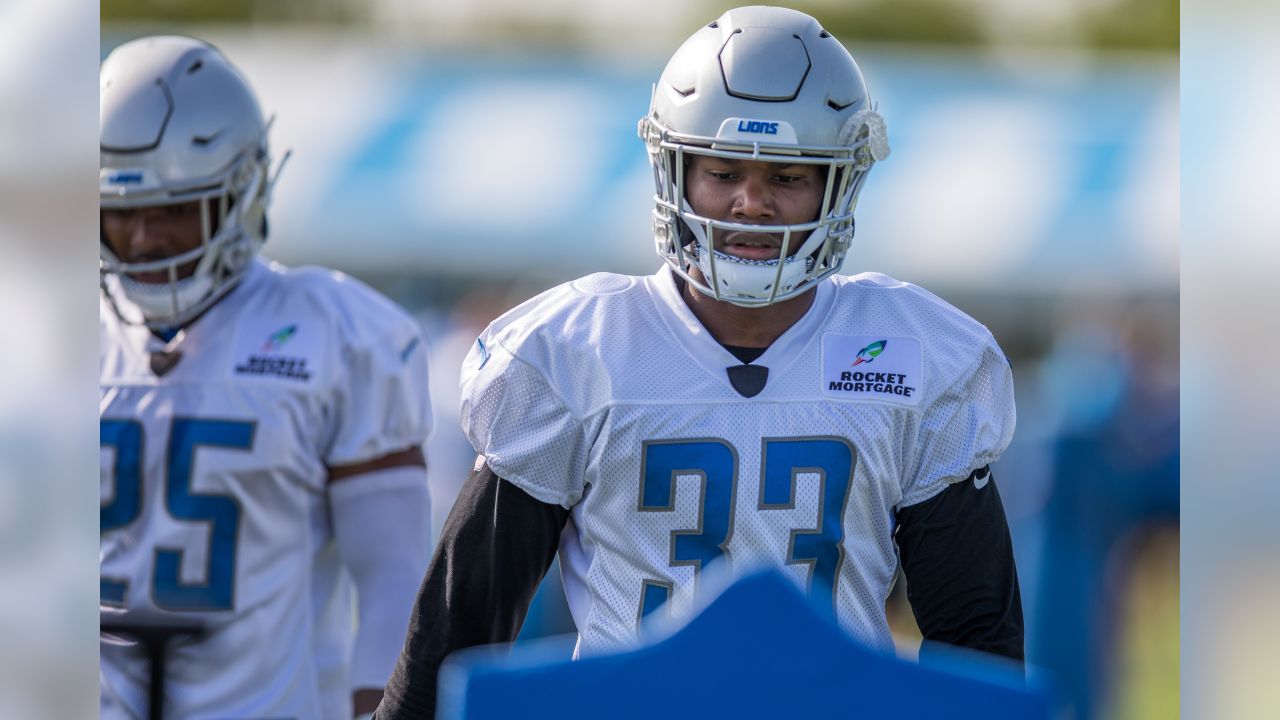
point(221, 513)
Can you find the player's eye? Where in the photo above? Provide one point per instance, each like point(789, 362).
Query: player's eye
point(787, 179)
point(118, 215)
point(722, 174)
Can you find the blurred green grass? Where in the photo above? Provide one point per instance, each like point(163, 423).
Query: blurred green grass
point(1148, 659)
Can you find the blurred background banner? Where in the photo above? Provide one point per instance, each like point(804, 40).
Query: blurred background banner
point(48, 360)
point(463, 156)
point(1023, 170)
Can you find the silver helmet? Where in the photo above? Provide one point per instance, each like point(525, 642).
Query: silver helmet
point(178, 123)
point(761, 83)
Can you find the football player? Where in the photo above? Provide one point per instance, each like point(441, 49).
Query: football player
point(261, 427)
point(745, 405)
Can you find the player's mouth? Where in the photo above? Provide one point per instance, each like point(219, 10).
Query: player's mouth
point(159, 275)
point(752, 246)
point(151, 278)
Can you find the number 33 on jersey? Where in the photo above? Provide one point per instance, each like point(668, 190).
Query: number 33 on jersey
point(607, 396)
point(711, 463)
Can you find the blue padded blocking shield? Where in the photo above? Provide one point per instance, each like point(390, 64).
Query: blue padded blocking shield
point(758, 650)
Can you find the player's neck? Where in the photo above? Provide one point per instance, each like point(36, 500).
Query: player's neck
point(757, 327)
point(168, 335)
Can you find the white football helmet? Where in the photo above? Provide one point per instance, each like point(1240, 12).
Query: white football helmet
point(761, 83)
point(180, 124)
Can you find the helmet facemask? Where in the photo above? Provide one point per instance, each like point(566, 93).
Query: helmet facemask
point(179, 124)
point(232, 227)
point(810, 252)
point(762, 84)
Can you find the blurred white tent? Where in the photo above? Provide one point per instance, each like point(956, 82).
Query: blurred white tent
point(1024, 172)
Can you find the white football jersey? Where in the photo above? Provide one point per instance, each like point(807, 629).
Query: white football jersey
point(606, 395)
point(214, 487)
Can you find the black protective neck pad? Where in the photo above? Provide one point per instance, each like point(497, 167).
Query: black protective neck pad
point(748, 380)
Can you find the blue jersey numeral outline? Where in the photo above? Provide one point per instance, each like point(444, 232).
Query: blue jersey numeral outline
point(221, 512)
point(125, 503)
point(715, 463)
point(833, 460)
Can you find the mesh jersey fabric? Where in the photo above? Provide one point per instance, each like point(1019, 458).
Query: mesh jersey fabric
point(226, 455)
point(608, 397)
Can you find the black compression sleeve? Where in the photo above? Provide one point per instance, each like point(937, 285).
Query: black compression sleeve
point(958, 560)
point(495, 548)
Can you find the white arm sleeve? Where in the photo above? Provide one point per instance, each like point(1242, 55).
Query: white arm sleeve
point(382, 524)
